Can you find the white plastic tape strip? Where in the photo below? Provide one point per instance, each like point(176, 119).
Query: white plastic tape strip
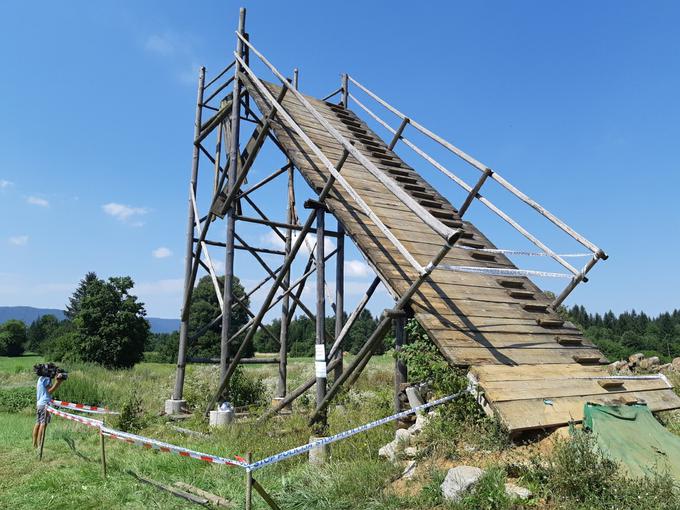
point(347, 433)
point(501, 271)
point(525, 253)
point(320, 361)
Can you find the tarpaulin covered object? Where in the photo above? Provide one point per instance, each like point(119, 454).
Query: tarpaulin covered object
point(631, 436)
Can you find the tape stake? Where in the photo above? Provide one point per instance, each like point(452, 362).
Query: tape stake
point(320, 361)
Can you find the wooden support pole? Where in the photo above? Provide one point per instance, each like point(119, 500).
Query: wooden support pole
point(400, 373)
point(320, 360)
point(234, 156)
point(249, 483)
point(189, 251)
point(281, 386)
point(361, 360)
point(103, 453)
point(275, 287)
point(339, 294)
point(345, 90)
point(265, 495)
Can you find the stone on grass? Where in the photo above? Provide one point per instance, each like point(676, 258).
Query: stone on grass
point(458, 480)
point(401, 438)
point(517, 492)
point(421, 421)
point(635, 359)
point(409, 470)
point(410, 452)
point(675, 364)
point(648, 363)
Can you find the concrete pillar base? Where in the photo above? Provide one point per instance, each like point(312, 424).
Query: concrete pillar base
point(318, 455)
point(175, 406)
point(286, 410)
point(220, 419)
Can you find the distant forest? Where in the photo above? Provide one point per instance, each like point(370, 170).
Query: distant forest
point(630, 332)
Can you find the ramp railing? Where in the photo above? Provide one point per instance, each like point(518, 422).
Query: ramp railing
point(448, 234)
point(474, 192)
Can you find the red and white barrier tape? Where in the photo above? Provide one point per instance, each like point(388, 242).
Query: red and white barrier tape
point(149, 443)
point(90, 422)
point(82, 407)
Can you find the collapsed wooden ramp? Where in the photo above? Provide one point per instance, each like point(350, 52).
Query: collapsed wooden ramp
point(531, 368)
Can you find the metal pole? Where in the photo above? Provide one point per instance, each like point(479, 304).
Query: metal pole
point(285, 305)
point(188, 260)
point(400, 373)
point(321, 424)
point(234, 156)
point(339, 293)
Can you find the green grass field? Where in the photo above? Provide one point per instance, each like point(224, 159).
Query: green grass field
point(69, 475)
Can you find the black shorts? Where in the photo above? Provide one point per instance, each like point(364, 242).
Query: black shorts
point(42, 416)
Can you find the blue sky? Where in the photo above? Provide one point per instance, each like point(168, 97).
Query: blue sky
point(575, 103)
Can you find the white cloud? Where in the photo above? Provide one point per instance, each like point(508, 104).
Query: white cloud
point(160, 287)
point(357, 269)
point(164, 45)
point(37, 201)
point(18, 240)
point(161, 253)
point(5, 184)
point(124, 213)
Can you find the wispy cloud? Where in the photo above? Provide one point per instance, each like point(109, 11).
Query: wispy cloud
point(178, 49)
point(357, 269)
point(274, 241)
point(161, 253)
point(5, 184)
point(41, 202)
point(18, 240)
point(125, 213)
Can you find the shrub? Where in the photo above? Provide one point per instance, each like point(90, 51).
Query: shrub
point(131, 417)
point(244, 389)
point(13, 400)
point(81, 389)
point(12, 338)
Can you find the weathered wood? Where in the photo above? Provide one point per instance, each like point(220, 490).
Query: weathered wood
point(212, 498)
point(166, 488)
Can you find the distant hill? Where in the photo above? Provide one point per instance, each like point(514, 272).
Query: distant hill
point(28, 314)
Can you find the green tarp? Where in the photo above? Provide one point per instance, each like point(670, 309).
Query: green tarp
point(630, 435)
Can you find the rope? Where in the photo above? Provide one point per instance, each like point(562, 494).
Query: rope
point(525, 253)
point(500, 271)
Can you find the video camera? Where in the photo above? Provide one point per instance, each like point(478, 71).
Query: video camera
point(50, 370)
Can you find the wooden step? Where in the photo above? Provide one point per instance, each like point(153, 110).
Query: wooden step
point(510, 284)
point(550, 323)
point(569, 340)
point(483, 255)
point(535, 307)
point(430, 203)
point(521, 294)
point(588, 359)
point(470, 244)
point(611, 384)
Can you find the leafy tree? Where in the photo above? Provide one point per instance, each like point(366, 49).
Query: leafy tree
point(108, 324)
point(40, 331)
point(12, 338)
point(75, 300)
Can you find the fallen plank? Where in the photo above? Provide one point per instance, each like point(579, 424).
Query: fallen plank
point(212, 498)
point(171, 490)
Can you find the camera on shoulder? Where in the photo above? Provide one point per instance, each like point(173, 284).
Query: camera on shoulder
point(50, 370)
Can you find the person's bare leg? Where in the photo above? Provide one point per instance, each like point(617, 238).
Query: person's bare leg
point(36, 428)
point(41, 432)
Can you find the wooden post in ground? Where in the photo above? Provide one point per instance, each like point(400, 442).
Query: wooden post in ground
point(249, 483)
point(103, 452)
point(400, 373)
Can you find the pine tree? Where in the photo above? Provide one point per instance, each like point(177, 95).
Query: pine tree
point(73, 306)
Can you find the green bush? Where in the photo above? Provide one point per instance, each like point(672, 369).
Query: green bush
point(244, 390)
point(131, 417)
point(13, 400)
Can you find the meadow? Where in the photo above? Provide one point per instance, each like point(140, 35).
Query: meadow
point(69, 476)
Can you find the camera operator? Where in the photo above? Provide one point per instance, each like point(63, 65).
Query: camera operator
point(44, 390)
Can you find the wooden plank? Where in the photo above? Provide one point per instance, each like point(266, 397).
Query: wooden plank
point(468, 356)
point(521, 415)
point(491, 373)
point(502, 391)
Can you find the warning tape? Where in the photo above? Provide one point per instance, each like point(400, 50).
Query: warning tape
point(501, 271)
point(347, 433)
point(90, 422)
point(525, 253)
point(149, 443)
point(83, 407)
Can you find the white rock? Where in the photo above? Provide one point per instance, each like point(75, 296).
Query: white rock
point(675, 364)
point(515, 491)
point(403, 436)
point(635, 359)
point(458, 480)
point(410, 451)
point(409, 470)
point(389, 451)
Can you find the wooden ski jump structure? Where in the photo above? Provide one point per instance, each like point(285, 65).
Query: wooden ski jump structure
point(527, 365)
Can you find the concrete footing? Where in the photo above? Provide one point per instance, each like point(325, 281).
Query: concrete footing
point(175, 406)
point(318, 455)
point(221, 418)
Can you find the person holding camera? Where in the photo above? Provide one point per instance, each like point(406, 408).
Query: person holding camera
point(44, 390)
